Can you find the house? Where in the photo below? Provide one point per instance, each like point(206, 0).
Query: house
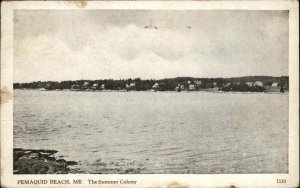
point(249, 84)
point(103, 86)
point(132, 85)
point(191, 87)
point(179, 87)
point(226, 87)
point(274, 87)
point(75, 87)
point(85, 85)
point(155, 86)
point(198, 82)
point(258, 84)
point(275, 84)
point(227, 84)
point(94, 86)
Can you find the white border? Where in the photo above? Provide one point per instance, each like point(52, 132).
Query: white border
point(157, 180)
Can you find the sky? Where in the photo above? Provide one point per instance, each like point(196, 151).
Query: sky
point(62, 45)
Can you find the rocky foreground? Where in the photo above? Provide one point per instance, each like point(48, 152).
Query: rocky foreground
point(27, 161)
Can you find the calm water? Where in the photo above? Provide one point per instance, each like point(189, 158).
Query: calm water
point(157, 132)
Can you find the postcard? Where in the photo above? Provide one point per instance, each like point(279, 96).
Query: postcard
point(170, 94)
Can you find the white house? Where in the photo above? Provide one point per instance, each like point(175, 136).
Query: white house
point(258, 84)
point(275, 84)
point(94, 86)
point(249, 84)
point(85, 85)
point(192, 87)
point(132, 85)
point(155, 86)
point(198, 82)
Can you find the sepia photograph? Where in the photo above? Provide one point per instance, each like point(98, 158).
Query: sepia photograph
point(150, 91)
point(185, 92)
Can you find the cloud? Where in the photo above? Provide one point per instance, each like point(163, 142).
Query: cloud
point(97, 50)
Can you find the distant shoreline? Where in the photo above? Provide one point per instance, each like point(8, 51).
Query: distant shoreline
point(179, 84)
point(200, 91)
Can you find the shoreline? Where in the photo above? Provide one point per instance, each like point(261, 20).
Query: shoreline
point(204, 90)
point(40, 161)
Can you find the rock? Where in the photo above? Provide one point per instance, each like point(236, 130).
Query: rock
point(61, 161)
point(71, 163)
point(39, 162)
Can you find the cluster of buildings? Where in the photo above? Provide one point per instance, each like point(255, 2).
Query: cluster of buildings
point(194, 86)
point(130, 86)
point(256, 86)
point(85, 86)
point(95, 86)
point(247, 84)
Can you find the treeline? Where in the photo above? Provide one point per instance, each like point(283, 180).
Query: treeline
point(168, 84)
